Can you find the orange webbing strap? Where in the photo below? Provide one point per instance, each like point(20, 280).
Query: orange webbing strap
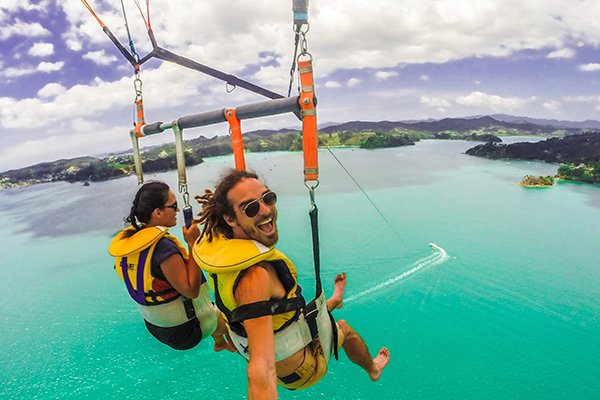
point(141, 121)
point(85, 3)
point(236, 139)
point(309, 121)
point(139, 105)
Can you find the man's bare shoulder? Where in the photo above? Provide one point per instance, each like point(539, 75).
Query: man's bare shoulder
point(255, 285)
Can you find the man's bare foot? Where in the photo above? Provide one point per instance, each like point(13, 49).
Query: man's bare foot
point(222, 344)
point(379, 363)
point(339, 287)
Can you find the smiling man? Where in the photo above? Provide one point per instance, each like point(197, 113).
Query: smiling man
point(256, 288)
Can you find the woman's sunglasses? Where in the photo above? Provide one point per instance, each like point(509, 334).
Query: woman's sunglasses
point(251, 209)
point(173, 206)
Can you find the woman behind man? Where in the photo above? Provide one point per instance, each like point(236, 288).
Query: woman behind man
point(168, 286)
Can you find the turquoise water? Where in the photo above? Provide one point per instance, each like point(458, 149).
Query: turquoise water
point(512, 312)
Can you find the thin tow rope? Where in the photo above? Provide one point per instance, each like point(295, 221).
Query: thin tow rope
point(361, 189)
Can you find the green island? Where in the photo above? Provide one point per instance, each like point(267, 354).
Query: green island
point(582, 172)
point(578, 155)
point(357, 134)
point(537, 181)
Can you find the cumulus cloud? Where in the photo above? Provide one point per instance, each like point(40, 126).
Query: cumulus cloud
point(424, 77)
point(592, 67)
point(100, 57)
point(51, 90)
point(20, 28)
point(332, 85)
point(552, 105)
point(562, 53)
point(17, 5)
point(490, 101)
point(16, 72)
point(383, 75)
point(352, 82)
point(440, 104)
point(50, 67)
point(79, 101)
point(41, 49)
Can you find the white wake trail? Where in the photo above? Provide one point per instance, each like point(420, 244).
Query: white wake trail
point(431, 260)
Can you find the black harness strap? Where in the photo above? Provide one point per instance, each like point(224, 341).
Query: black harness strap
point(263, 308)
point(188, 306)
point(314, 225)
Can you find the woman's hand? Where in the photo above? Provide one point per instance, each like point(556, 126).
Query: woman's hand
point(191, 234)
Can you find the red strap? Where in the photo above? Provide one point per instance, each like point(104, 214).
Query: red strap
point(236, 139)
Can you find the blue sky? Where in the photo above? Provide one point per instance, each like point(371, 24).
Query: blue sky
point(66, 91)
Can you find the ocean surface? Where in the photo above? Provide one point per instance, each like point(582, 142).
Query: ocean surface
point(507, 308)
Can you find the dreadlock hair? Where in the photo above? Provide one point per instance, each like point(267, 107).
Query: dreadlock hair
point(149, 196)
point(215, 205)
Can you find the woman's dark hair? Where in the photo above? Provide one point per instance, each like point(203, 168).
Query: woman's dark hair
point(149, 196)
point(215, 205)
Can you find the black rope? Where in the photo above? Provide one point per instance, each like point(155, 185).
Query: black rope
point(293, 68)
point(361, 189)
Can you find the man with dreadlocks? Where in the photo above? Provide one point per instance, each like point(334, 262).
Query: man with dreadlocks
point(256, 288)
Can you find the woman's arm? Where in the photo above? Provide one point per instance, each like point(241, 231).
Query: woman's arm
point(184, 277)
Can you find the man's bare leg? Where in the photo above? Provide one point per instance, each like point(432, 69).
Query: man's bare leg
point(357, 351)
point(339, 287)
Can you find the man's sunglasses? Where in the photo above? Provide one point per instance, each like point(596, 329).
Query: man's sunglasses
point(251, 209)
point(173, 206)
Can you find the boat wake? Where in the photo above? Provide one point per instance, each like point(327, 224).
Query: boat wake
point(437, 258)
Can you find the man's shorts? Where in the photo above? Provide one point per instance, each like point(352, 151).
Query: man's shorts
point(312, 369)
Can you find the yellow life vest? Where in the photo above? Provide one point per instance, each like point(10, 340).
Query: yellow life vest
point(226, 259)
point(134, 255)
point(165, 308)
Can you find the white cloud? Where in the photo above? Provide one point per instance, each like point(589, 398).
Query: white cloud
point(352, 82)
point(430, 31)
point(16, 72)
point(424, 77)
point(41, 49)
point(20, 28)
point(493, 102)
point(583, 99)
point(51, 90)
point(562, 53)
point(592, 67)
point(440, 104)
point(332, 85)
point(383, 75)
point(50, 67)
point(552, 105)
point(16, 5)
point(100, 57)
point(434, 101)
point(79, 101)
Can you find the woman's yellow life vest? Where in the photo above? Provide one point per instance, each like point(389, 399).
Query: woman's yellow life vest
point(226, 259)
point(167, 307)
point(133, 263)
